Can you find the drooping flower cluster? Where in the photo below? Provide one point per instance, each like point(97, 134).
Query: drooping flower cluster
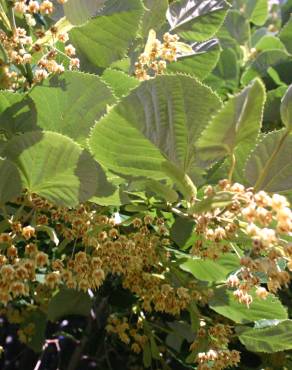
point(153, 61)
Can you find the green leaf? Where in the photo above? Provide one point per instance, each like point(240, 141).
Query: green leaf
point(120, 82)
point(212, 271)
point(224, 303)
point(76, 100)
point(270, 165)
point(182, 232)
point(257, 11)
point(69, 302)
point(181, 332)
point(286, 108)
point(234, 129)
point(263, 61)
point(200, 62)
point(10, 184)
point(79, 11)
point(285, 35)
point(271, 339)
point(155, 15)
point(38, 319)
point(55, 167)
point(153, 128)
point(269, 42)
point(17, 113)
point(106, 38)
point(272, 108)
point(154, 348)
point(161, 190)
point(147, 357)
point(196, 20)
point(237, 26)
point(225, 76)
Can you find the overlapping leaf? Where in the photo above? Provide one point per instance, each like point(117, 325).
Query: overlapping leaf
point(263, 61)
point(212, 271)
point(55, 167)
point(17, 113)
point(271, 339)
point(235, 127)
point(120, 82)
point(196, 19)
point(105, 38)
point(70, 103)
point(224, 303)
point(10, 184)
point(200, 62)
point(270, 165)
point(158, 123)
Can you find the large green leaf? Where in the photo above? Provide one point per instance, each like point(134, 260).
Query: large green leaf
point(17, 113)
point(271, 339)
point(212, 271)
point(270, 165)
point(200, 62)
point(154, 127)
point(235, 128)
point(196, 20)
point(224, 303)
point(120, 82)
point(10, 183)
point(69, 302)
point(105, 38)
point(70, 103)
point(286, 35)
point(55, 167)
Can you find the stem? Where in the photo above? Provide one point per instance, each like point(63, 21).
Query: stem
point(267, 167)
point(232, 167)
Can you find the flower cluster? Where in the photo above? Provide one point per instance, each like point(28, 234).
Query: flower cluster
point(217, 355)
point(30, 52)
point(153, 61)
point(128, 333)
point(261, 221)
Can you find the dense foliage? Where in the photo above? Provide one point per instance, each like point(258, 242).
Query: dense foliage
point(144, 200)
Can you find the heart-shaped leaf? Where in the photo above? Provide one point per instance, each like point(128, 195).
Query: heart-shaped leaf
point(76, 101)
point(152, 131)
point(55, 167)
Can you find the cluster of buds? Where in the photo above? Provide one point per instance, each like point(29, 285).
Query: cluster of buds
point(263, 221)
point(98, 247)
point(153, 61)
point(130, 334)
point(28, 56)
point(217, 356)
